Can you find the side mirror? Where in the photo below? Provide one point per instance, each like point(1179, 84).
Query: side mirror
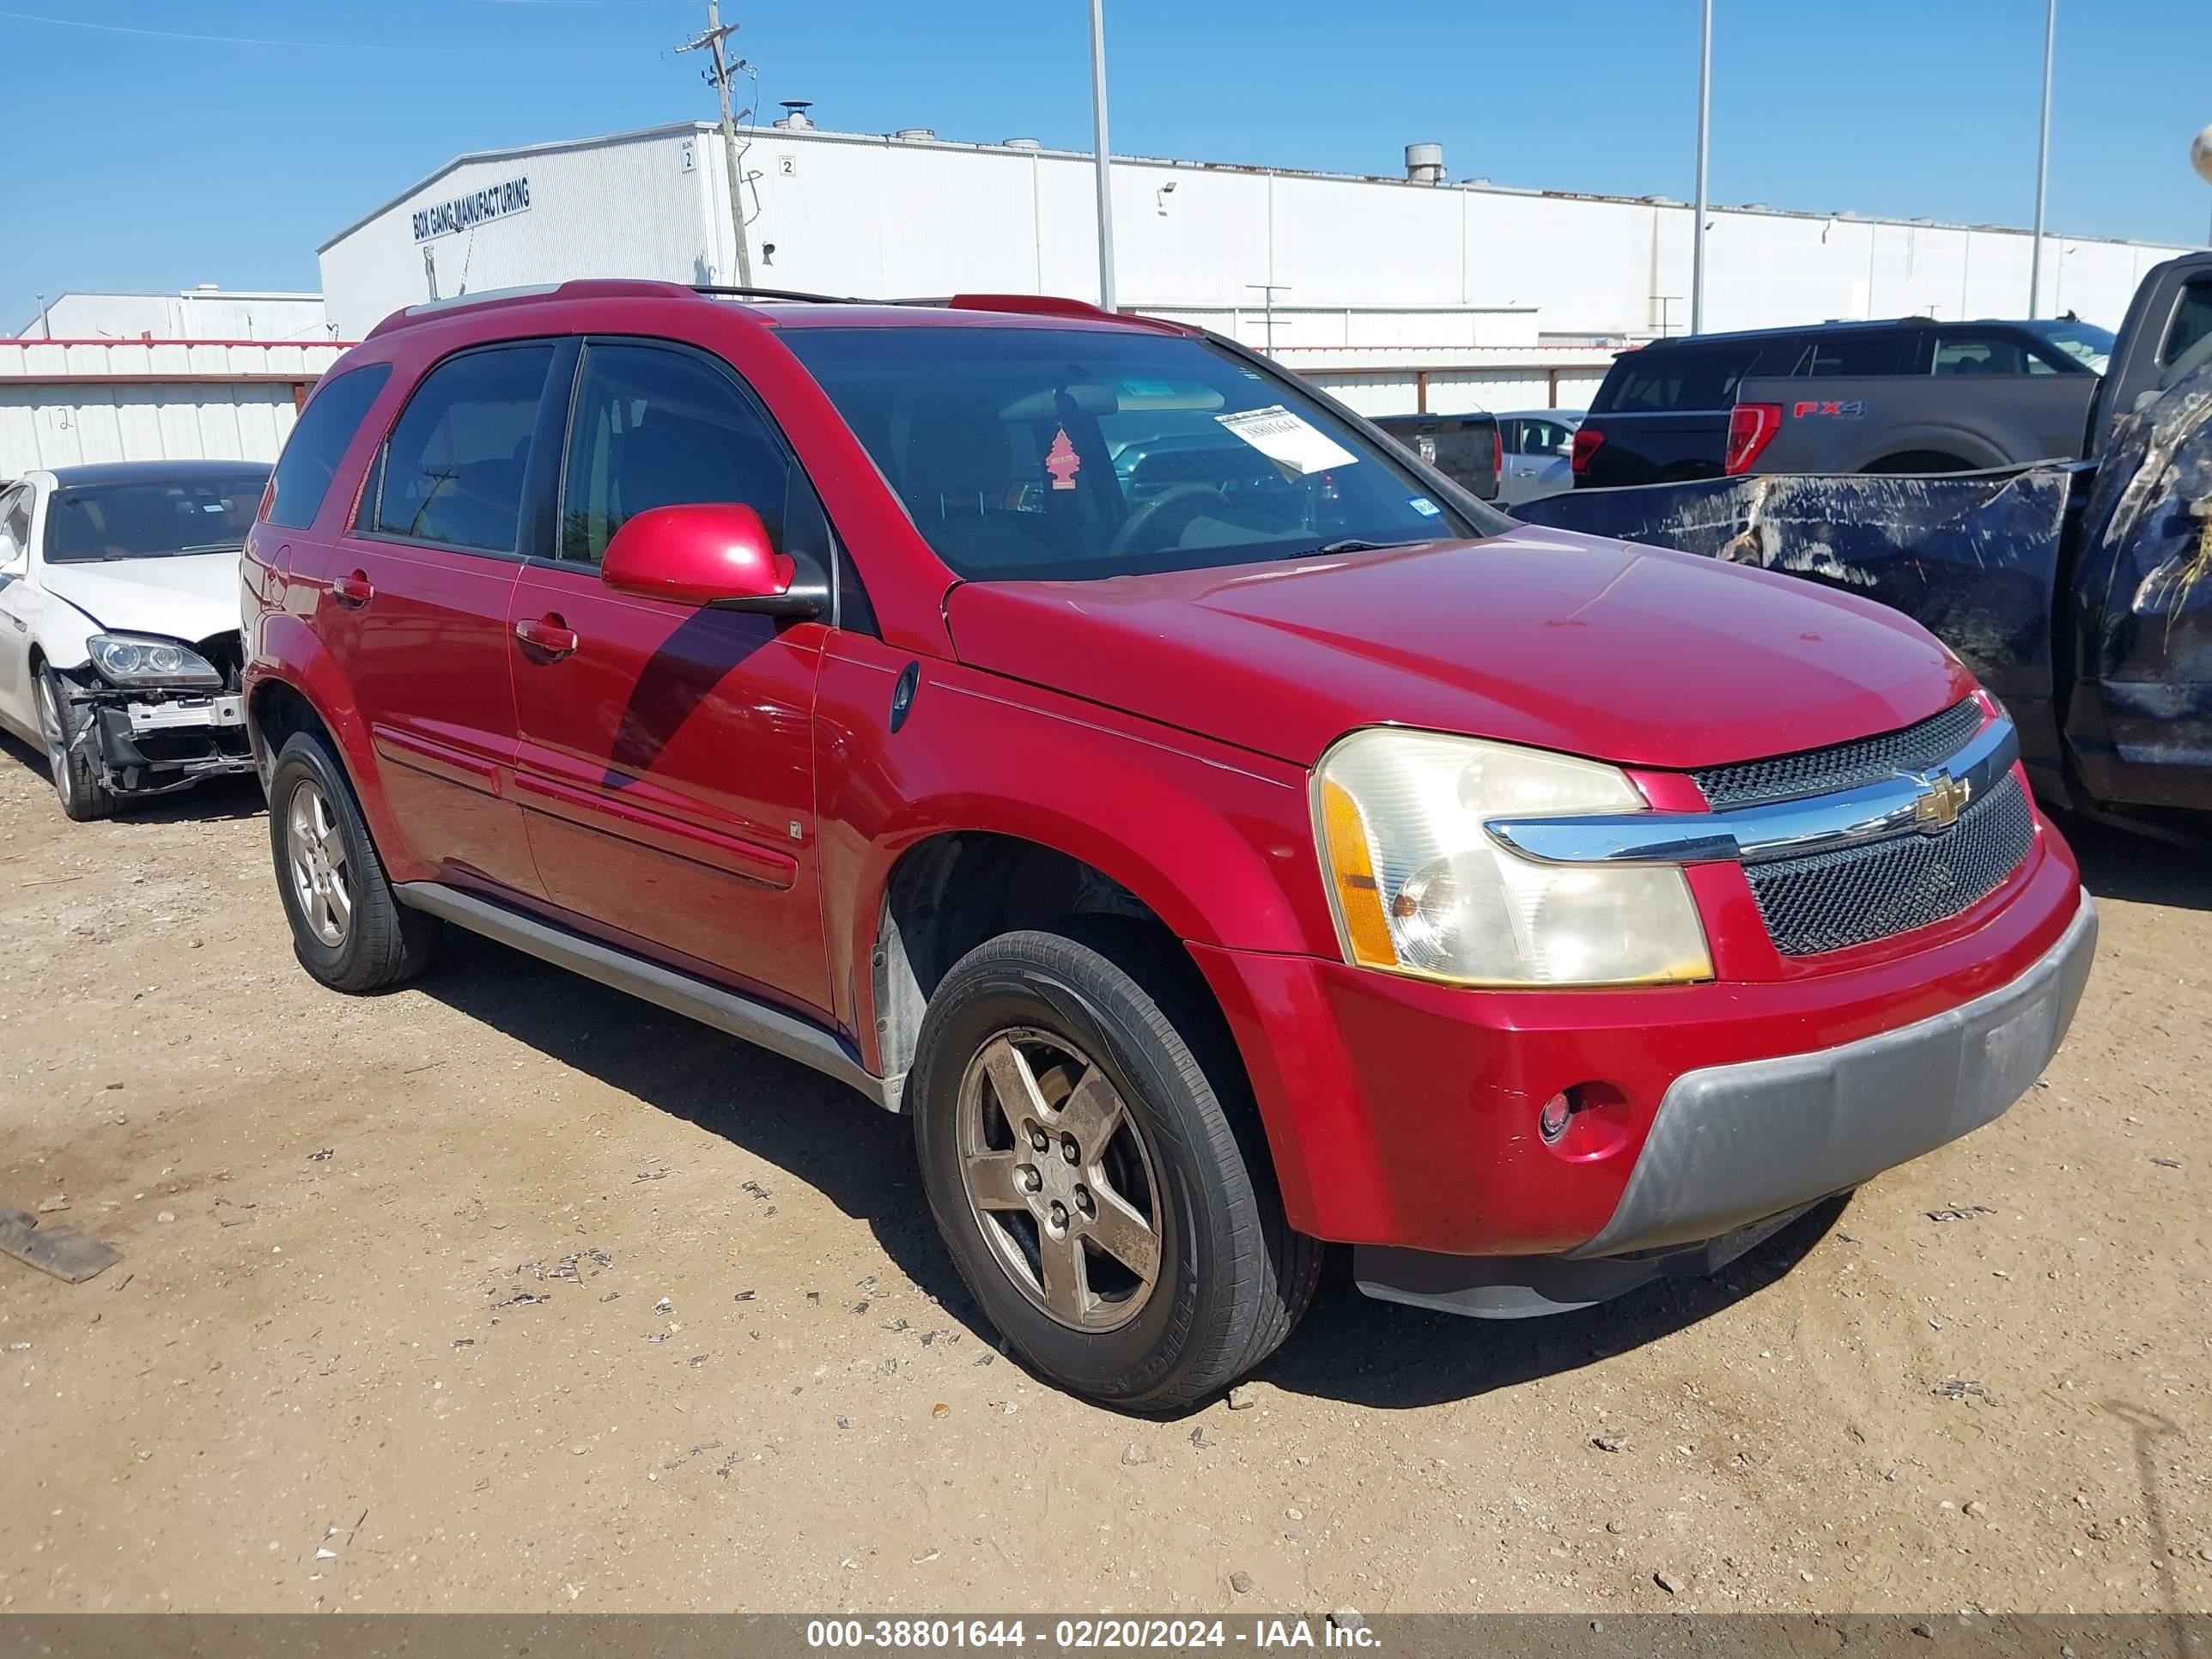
point(708, 554)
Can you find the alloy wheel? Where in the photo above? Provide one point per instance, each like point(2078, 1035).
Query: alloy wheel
point(316, 850)
point(1059, 1179)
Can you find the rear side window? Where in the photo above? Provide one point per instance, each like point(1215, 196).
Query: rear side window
point(1890, 353)
point(318, 442)
point(2192, 321)
point(1986, 354)
point(1664, 379)
point(454, 465)
point(659, 428)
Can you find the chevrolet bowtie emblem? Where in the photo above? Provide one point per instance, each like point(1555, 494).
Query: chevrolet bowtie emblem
point(1936, 808)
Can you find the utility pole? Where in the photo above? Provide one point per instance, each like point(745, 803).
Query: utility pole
point(714, 40)
point(1099, 142)
point(2042, 163)
point(1705, 138)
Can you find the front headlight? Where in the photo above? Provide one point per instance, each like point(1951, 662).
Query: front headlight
point(126, 660)
point(1420, 887)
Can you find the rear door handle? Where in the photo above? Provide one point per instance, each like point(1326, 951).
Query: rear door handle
point(549, 636)
point(355, 590)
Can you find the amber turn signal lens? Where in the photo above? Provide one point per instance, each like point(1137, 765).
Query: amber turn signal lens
point(1352, 868)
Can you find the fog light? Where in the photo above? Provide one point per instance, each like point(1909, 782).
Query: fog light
point(1552, 1121)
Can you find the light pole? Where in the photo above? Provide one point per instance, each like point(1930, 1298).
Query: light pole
point(1098, 145)
point(2042, 161)
point(1705, 138)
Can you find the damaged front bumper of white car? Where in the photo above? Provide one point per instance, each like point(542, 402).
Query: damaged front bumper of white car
point(152, 740)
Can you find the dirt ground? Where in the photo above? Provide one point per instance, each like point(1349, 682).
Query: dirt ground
point(506, 1292)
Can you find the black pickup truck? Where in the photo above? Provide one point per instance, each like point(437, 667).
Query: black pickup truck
point(2079, 591)
point(1911, 396)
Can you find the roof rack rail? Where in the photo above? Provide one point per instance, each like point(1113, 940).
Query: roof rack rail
point(582, 288)
point(739, 292)
point(1044, 305)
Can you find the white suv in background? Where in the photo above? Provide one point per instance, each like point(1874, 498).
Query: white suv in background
point(119, 648)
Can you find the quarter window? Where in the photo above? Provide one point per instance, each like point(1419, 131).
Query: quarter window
point(2192, 321)
point(659, 428)
point(318, 442)
point(454, 463)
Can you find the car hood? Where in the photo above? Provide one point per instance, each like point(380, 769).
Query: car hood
point(182, 597)
point(1622, 653)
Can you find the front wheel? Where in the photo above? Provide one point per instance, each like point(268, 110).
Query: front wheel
point(1092, 1158)
point(69, 762)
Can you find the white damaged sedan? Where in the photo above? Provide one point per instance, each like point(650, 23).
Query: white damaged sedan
point(119, 648)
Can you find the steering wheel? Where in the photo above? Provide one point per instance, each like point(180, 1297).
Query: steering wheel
point(1196, 495)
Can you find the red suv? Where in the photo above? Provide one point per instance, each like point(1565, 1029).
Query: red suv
point(1219, 832)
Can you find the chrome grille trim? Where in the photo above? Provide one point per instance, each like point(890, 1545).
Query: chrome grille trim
point(1797, 827)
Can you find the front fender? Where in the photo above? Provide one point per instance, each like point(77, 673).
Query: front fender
point(59, 632)
point(1215, 841)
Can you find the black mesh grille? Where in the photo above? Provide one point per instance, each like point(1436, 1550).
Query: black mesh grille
point(1830, 900)
point(1847, 766)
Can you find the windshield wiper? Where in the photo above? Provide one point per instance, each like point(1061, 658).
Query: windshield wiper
point(1357, 544)
point(212, 547)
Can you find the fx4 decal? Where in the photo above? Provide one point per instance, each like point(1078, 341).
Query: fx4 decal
point(1849, 411)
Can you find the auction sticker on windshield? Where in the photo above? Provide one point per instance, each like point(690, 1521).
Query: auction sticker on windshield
point(1281, 436)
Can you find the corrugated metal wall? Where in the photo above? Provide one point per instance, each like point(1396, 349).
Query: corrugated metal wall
point(43, 426)
point(64, 403)
point(1397, 391)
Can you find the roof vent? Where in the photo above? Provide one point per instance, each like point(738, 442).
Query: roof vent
point(1023, 144)
point(794, 118)
point(1424, 163)
point(915, 135)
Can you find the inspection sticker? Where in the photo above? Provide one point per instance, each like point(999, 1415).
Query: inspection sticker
point(1424, 506)
point(1286, 438)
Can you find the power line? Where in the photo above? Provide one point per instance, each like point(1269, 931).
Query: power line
point(255, 40)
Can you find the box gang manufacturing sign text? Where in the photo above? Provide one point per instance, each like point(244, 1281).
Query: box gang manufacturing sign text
point(467, 212)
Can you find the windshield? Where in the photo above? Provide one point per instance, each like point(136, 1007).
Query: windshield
point(89, 523)
point(2085, 343)
point(1082, 453)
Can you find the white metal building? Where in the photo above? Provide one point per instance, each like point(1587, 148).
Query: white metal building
point(63, 402)
point(134, 377)
point(205, 313)
point(1397, 292)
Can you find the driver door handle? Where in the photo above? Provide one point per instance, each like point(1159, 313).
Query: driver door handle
point(549, 636)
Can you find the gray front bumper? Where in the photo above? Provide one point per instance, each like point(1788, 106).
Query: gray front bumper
point(1736, 1149)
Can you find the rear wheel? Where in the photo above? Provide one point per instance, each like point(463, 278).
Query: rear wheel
point(70, 760)
point(1093, 1160)
point(348, 930)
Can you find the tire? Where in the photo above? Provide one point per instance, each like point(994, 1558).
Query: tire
point(1103, 1003)
point(75, 772)
point(348, 930)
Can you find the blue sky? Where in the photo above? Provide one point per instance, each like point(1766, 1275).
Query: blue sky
point(140, 160)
